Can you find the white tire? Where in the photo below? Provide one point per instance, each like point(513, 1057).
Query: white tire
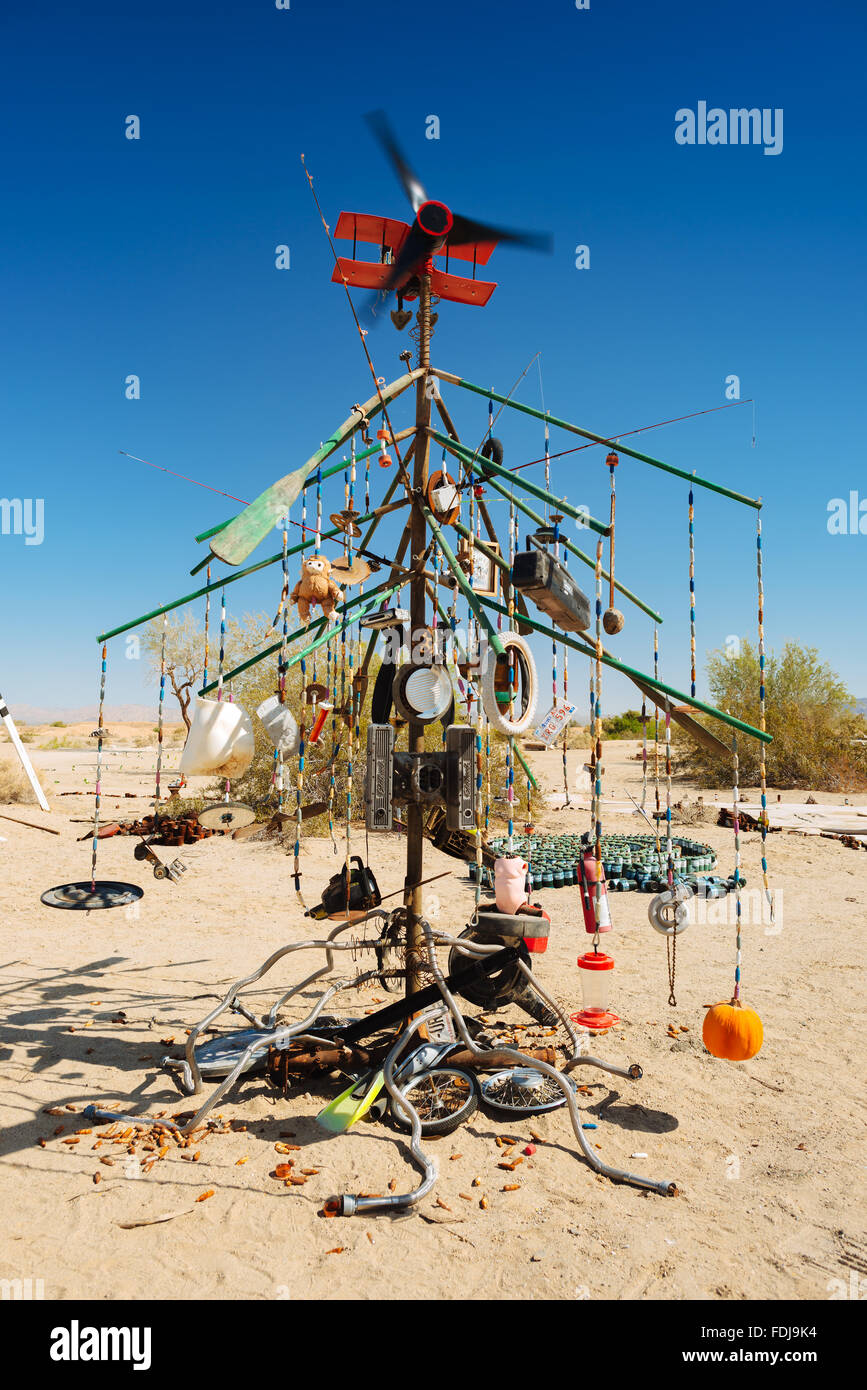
point(668, 913)
point(529, 682)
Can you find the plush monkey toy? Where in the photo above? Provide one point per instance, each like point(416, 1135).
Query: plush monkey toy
point(316, 587)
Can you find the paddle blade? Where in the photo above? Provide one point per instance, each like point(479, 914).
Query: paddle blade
point(351, 1105)
point(250, 527)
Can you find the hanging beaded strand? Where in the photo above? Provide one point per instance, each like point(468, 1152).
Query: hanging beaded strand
point(98, 795)
point(763, 780)
point(160, 718)
point(207, 624)
point(299, 786)
point(692, 593)
point(656, 736)
point(598, 748)
point(220, 671)
point(277, 779)
point(643, 751)
point(302, 733)
point(590, 731)
point(737, 874)
point(510, 745)
point(568, 799)
point(474, 649)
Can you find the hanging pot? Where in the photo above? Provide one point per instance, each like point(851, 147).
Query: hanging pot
point(220, 742)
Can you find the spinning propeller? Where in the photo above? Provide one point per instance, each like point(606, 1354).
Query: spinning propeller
point(436, 229)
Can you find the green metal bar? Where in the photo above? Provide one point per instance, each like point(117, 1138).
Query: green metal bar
point(328, 473)
point(616, 665)
point(486, 467)
point(466, 589)
point(525, 765)
point(597, 439)
point(383, 591)
point(220, 583)
point(573, 549)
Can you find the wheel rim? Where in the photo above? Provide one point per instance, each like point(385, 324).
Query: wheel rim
point(522, 1090)
point(439, 1094)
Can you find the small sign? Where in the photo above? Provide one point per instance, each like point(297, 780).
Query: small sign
point(554, 723)
point(441, 1029)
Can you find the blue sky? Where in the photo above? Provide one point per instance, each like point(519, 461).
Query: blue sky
point(156, 257)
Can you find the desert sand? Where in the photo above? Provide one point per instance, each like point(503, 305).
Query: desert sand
point(767, 1155)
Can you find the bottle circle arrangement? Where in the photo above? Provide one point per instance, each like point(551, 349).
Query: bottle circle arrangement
point(631, 862)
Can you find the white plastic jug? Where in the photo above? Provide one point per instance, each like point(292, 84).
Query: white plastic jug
point(281, 725)
point(220, 741)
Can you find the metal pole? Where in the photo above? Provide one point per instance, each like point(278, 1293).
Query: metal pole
point(572, 548)
point(598, 439)
point(487, 466)
point(582, 646)
point(241, 574)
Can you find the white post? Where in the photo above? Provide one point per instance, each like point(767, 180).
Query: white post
point(22, 754)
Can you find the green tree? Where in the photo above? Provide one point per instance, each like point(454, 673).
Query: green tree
point(809, 712)
point(185, 650)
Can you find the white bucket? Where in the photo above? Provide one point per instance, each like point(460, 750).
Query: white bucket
point(280, 725)
point(220, 741)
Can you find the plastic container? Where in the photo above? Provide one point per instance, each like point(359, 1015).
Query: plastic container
point(595, 975)
point(220, 742)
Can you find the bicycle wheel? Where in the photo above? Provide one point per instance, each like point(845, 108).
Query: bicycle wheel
point(444, 1097)
point(521, 1092)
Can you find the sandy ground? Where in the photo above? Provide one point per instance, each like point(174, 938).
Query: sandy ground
point(768, 1155)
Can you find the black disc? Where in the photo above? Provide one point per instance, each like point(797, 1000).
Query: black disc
point(85, 897)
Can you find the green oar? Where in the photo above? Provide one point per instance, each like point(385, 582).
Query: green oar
point(352, 1104)
point(237, 540)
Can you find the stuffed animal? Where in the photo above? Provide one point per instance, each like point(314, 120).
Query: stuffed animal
point(316, 587)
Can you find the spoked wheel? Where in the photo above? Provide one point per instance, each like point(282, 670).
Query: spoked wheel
point(521, 1091)
point(391, 956)
point(444, 1097)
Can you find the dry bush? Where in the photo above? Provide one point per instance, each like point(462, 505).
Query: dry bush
point(13, 784)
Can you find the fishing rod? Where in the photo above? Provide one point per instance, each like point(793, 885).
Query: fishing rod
point(196, 483)
point(625, 434)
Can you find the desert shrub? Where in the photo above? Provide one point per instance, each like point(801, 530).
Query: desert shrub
point(13, 784)
point(626, 725)
point(810, 714)
point(57, 724)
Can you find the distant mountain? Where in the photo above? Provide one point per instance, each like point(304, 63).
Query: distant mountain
point(861, 706)
point(87, 714)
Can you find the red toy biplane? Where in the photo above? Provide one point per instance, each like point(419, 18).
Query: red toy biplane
point(406, 249)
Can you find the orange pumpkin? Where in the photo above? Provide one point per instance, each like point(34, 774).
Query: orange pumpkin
point(732, 1032)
